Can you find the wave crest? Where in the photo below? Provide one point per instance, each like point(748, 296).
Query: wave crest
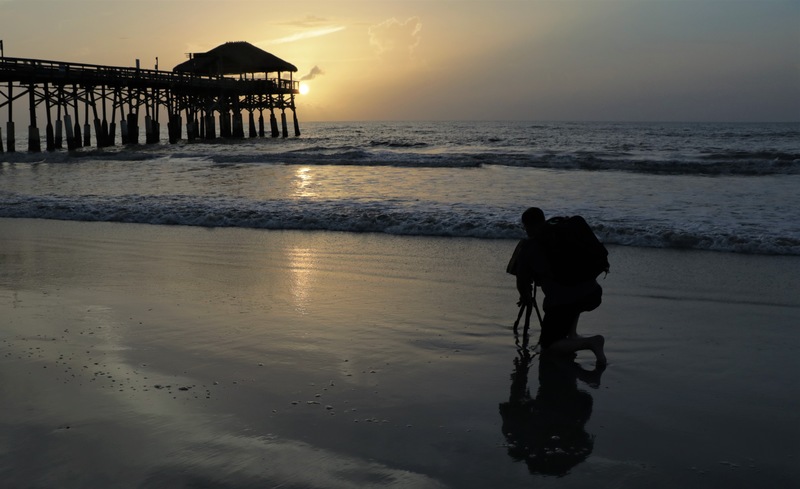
point(400, 218)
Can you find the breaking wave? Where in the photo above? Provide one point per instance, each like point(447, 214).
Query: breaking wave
point(399, 218)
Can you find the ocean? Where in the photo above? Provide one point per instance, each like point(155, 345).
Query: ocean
point(723, 187)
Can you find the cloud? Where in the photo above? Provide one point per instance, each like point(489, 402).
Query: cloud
point(394, 40)
point(315, 72)
point(308, 22)
point(300, 36)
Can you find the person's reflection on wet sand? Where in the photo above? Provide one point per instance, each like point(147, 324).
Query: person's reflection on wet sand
point(548, 432)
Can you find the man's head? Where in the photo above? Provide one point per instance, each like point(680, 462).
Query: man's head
point(532, 219)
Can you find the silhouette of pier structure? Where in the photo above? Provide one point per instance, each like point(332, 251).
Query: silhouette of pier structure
point(77, 99)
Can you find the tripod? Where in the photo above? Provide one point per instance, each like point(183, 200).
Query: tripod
point(527, 309)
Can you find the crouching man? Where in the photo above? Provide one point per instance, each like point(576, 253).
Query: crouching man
point(563, 302)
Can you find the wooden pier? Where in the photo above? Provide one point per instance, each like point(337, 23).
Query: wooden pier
point(77, 99)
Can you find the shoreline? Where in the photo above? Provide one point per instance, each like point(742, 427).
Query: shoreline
point(248, 358)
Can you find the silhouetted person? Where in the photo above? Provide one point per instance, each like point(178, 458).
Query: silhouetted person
point(563, 304)
point(548, 433)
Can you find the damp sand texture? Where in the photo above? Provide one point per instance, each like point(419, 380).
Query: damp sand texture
point(167, 357)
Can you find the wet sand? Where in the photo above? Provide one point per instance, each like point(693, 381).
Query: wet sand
point(168, 357)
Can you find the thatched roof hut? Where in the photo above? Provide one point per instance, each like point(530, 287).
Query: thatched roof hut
point(234, 58)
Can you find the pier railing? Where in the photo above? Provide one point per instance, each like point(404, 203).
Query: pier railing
point(46, 71)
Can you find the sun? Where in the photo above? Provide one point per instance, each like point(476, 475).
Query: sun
point(303, 88)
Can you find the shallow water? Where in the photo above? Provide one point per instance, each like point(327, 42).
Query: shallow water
point(697, 186)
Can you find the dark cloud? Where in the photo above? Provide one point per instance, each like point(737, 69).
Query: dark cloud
point(315, 72)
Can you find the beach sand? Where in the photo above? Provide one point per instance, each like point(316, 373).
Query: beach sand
point(137, 356)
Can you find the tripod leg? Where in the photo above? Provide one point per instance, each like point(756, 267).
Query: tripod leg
point(528, 312)
point(519, 316)
point(535, 306)
point(538, 314)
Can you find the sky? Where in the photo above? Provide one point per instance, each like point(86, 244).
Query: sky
point(554, 60)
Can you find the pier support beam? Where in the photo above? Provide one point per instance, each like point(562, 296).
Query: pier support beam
point(192, 127)
point(99, 136)
point(34, 143)
point(10, 123)
point(252, 123)
point(149, 129)
point(225, 124)
point(76, 130)
point(211, 130)
point(10, 143)
point(152, 128)
point(59, 136)
point(273, 124)
point(70, 130)
point(87, 129)
point(283, 124)
point(296, 124)
point(112, 126)
point(174, 128)
point(155, 131)
point(133, 128)
point(100, 125)
point(238, 124)
point(50, 136)
point(108, 140)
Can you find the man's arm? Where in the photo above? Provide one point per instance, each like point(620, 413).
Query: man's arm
point(524, 259)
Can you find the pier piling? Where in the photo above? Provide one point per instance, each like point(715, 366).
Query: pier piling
point(251, 121)
point(70, 130)
point(50, 137)
point(10, 123)
point(10, 143)
point(34, 143)
point(77, 142)
point(133, 128)
point(211, 130)
point(273, 124)
point(58, 139)
point(238, 125)
point(87, 129)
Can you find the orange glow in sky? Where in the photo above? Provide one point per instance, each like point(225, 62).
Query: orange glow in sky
point(460, 59)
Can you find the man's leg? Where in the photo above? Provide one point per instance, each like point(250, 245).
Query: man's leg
point(573, 327)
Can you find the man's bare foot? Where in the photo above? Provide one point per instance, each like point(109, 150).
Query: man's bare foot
point(597, 343)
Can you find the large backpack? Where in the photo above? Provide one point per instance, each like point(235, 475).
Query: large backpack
point(573, 251)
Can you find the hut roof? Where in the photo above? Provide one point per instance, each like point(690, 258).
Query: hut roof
point(233, 58)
